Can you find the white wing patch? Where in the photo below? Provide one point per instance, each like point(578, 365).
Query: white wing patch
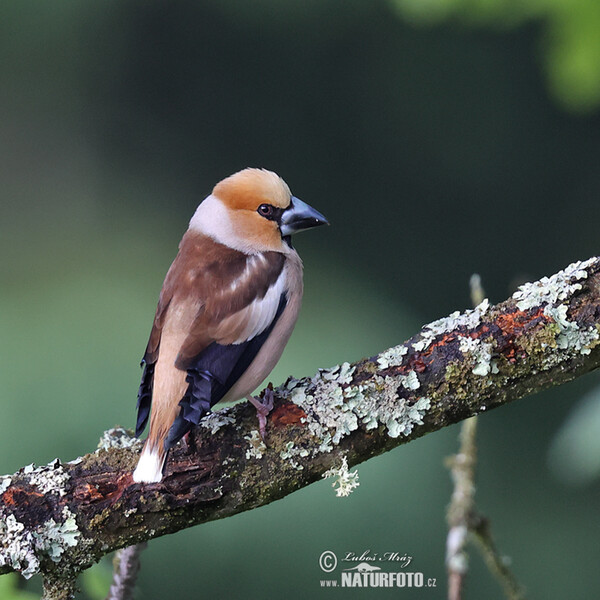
point(251, 266)
point(257, 316)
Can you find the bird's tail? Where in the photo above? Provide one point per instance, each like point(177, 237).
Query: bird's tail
point(168, 427)
point(151, 463)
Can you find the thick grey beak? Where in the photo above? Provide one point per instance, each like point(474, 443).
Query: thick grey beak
point(299, 216)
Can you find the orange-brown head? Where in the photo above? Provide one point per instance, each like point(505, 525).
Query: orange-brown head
point(254, 211)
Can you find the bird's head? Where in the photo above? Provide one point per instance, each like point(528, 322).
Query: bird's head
point(253, 211)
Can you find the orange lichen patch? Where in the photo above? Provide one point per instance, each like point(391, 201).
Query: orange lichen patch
point(419, 362)
point(88, 492)
point(480, 332)
point(446, 339)
point(103, 488)
point(15, 496)
point(512, 324)
point(123, 481)
point(416, 363)
point(502, 332)
point(287, 414)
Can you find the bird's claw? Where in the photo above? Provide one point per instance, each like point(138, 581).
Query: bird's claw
point(263, 408)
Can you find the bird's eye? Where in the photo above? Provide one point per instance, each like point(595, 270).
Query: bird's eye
point(265, 210)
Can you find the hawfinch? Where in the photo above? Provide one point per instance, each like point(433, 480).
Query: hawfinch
point(226, 310)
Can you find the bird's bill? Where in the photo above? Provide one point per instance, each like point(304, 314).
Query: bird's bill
point(299, 216)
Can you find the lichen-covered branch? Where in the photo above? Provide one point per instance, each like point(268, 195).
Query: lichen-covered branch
point(61, 518)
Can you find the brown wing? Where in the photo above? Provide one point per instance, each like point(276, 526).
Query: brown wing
point(242, 294)
point(164, 300)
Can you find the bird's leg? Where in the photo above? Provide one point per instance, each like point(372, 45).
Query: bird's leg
point(184, 443)
point(188, 443)
point(263, 408)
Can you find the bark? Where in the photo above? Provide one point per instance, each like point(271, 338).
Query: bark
point(59, 519)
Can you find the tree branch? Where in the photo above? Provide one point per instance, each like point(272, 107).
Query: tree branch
point(59, 519)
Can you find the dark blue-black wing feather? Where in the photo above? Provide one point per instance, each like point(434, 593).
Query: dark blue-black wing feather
point(144, 400)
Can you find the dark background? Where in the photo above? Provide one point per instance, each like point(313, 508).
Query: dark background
point(437, 147)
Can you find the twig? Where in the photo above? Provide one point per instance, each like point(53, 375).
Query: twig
point(463, 518)
point(497, 564)
point(126, 567)
point(462, 506)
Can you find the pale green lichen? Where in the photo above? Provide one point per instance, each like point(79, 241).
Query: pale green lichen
point(51, 478)
point(326, 444)
point(291, 453)
point(334, 411)
point(345, 480)
point(480, 352)
point(54, 538)
point(392, 357)
point(412, 415)
point(378, 403)
point(341, 373)
point(4, 483)
point(410, 381)
point(550, 290)
point(571, 336)
point(217, 419)
point(17, 547)
point(256, 447)
point(22, 549)
point(469, 320)
point(327, 410)
point(118, 437)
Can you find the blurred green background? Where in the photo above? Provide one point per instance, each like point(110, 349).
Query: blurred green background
point(440, 137)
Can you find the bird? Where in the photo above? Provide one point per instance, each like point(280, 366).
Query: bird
point(227, 308)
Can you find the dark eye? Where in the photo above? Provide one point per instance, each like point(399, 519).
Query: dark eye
point(265, 210)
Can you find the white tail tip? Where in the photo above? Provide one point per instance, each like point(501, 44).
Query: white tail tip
point(150, 466)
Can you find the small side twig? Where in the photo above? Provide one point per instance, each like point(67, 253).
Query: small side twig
point(126, 567)
point(497, 564)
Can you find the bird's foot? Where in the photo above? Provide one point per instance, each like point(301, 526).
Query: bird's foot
point(263, 408)
point(188, 443)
